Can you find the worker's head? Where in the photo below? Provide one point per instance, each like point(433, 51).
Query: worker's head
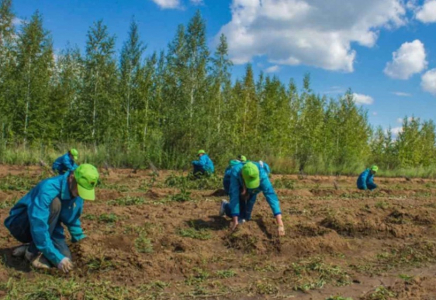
point(74, 153)
point(201, 153)
point(82, 182)
point(250, 175)
point(242, 158)
point(374, 169)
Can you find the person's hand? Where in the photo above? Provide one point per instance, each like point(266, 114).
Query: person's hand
point(65, 265)
point(234, 224)
point(281, 230)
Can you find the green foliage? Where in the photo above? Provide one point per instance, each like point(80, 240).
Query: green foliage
point(108, 218)
point(127, 201)
point(134, 108)
point(284, 183)
point(225, 274)
point(143, 244)
point(16, 183)
point(381, 293)
point(198, 234)
point(338, 298)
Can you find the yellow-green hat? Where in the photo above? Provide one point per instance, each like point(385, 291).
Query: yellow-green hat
point(250, 174)
point(374, 168)
point(74, 153)
point(242, 158)
point(86, 177)
point(201, 152)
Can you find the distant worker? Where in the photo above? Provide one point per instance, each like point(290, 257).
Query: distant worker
point(226, 180)
point(66, 162)
point(246, 181)
point(38, 217)
point(204, 165)
point(366, 179)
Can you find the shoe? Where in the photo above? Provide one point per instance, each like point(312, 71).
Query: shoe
point(20, 251)
point(37, 260)
point(241, 221)
point(223, 207)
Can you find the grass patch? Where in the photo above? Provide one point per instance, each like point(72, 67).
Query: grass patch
point(143, 244)
point(284, 183)
point(198, 234)
point(8, 203)
point(338, 298)
point(380, 293)
point(225, 274)
point(183, 196)
point(17, 183)
point(108, 218)
point(382, 205)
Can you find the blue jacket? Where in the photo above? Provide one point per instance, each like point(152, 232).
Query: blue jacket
point(64, 164)
point(37, 203)
point(236, 184)
point(265, 166)
point(205, 162)
point(364, 179)
point(227, 172)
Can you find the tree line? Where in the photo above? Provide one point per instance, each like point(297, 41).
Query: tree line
point(165, 106)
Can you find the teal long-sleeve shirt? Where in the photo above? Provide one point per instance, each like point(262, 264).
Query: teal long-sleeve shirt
point(37, 203)
point(64, 164)
point(205, 162)
point(364, 179)
point(236, 184)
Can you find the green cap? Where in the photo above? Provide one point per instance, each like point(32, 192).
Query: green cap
point(250, 174)
point(86, 177)
point(374, 168)
point(201, 152)
point(242, 158)
point(74, 153)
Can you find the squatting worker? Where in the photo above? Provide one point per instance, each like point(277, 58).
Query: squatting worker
point(38, 217)
point(366, 179)
point(66, 162)
point(246, 181)
point(204, 165)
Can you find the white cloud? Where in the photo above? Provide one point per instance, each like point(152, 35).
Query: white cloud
point(17, 21)
point(402, 94)
point(311, 32)
point(428, 81)
point(272, 69)
point(396, 130)
point(427, 13)
point(363, 99)
point(166, 4)
point(375, 113)
point(400, 120)
point(197, 2)
point(409, 59)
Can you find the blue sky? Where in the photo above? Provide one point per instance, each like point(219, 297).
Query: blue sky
point(341, 46)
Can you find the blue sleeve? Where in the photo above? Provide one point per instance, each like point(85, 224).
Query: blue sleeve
point(234, 193)
point(371, 179)
point(364, 178)
point(39, 212)
point(270, 196)
point(68, 163)
point(74, 226)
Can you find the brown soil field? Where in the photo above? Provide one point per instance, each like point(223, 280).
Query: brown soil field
point(151, 237)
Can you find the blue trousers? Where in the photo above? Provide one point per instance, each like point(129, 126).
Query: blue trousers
point(369, 185)
point(20, 229)
point(245, 208)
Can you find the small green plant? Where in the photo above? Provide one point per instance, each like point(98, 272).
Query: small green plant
point(198, 277)
point(338, 298)
point(265, 288)
point(381, 205)
point(90, 217)
point(225, 273)
point(406, 278)
point(143, 244)
point(183, 196)
point(100, 263)
point(381, 293)
point(284, 183)
point(7, 203)
point(108, 218)
point(198, 234)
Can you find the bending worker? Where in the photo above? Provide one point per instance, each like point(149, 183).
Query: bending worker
point(246, 181)
point(38, 217)
point(233, 162)
point(366, 179)
point(66, 162)
point(203, 165)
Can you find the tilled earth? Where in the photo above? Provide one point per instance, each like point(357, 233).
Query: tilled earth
point(159, 236)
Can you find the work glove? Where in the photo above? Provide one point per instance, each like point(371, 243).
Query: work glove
point(281, 230)
point(65, 265)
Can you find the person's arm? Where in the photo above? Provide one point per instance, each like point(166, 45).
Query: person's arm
point(273, 201)
point(39, 212)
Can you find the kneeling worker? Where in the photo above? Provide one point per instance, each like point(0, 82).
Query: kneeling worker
point(366, 179)
point(38, 217)
point(66, 162)
point(203, 165)
point(246, 181)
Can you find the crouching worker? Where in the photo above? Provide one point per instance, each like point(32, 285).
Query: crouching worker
point(37, 218)
point(246, 181)
point(66, 162)
point(366, 179)
point(204, 165)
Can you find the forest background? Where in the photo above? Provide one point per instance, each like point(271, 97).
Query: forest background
point(130, 109)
